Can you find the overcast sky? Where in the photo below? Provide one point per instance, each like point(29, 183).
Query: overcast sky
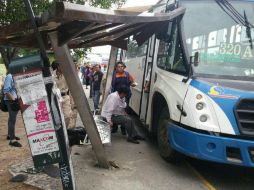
point(129, 3)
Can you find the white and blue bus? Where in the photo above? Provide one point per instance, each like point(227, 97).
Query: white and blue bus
point(201, 73)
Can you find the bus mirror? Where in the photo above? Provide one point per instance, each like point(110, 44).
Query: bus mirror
point(196, 59)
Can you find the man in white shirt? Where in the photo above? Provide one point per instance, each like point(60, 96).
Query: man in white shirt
point(114, 112)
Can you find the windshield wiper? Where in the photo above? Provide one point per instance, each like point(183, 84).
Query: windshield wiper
point(237, 17)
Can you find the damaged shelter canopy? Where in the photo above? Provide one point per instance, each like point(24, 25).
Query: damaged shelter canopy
point(81, 26)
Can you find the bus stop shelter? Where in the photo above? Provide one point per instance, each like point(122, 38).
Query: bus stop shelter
point(67, 26)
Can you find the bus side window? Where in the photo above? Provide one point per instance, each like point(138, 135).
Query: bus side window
point(119, 52)
point(170, 54)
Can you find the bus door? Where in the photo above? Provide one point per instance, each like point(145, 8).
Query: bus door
point(171, 69)
point(147, 80)
point(135, 59)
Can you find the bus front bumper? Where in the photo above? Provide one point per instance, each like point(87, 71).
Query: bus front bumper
point(212, 148)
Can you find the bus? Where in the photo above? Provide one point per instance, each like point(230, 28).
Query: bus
point(200, 71)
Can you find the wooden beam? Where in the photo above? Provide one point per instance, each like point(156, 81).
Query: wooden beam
point(110, 70)
point(14, 28)
point(95, 29)
point(63, 56)
point(116, 43)
point(71, 30)
point(70, 11)
point(108, 35)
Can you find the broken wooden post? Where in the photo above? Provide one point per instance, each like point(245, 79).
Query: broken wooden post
point(63, 56)
point(110, 70)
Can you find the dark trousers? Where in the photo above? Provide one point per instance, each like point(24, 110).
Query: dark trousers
point(126, 122)
point(96, 99)
point(91, 89)
point(11, 121)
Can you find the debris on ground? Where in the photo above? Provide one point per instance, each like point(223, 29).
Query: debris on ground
point(113, 164)
point(19, 178)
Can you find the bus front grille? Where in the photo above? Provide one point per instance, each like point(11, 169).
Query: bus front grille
point(244, 112)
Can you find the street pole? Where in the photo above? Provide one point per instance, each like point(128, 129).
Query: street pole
point(63, 56)
point(65, 163)
point(36, 31)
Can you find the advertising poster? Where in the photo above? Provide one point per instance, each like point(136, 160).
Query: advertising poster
point(37, 118)
point(40, 129)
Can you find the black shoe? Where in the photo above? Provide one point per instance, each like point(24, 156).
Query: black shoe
point(123, 131)
point(137, 137)
point(15, 144)
point(16, 138)
point(132, 140)
point(114, 129)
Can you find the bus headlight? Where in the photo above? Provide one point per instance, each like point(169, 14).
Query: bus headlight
point(200, 106)
point(203, 118)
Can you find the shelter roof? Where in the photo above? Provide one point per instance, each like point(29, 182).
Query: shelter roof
point(81, 26)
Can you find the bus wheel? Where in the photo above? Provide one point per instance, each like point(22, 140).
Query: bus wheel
point(165, 149)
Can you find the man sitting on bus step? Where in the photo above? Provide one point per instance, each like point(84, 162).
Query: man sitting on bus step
point(122, 77)
point(113, 111)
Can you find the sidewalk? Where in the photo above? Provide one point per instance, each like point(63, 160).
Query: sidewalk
point(140, 167)
point(10, 155)
point(22, 160)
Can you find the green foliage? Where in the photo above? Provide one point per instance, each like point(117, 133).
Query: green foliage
point(51, 57)
point(106, 3)
point(13, 11)
point(25, 52)
point(2, 70)
point(1, 60)
point(79, 53)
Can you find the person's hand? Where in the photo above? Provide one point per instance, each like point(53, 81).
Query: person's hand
point(110, 124)
point(134, 84)
point(146, 89)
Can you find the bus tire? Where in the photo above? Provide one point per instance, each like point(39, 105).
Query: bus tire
point(166, 152)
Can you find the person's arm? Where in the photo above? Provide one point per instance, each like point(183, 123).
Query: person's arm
point(146, 86)
point(110, 107)
point(100, 77)
point(8, 87)
point(10, 97)
point(131, 79)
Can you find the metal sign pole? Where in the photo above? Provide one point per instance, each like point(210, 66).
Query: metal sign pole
point(65, 164)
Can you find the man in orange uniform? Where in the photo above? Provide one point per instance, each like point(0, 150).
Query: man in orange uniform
point(120, 78)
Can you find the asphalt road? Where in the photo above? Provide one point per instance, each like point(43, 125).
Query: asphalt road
point(222, 176)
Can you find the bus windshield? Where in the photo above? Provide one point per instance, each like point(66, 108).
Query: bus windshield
point(223, 34)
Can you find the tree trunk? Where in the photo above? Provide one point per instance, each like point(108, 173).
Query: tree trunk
point(8, 54)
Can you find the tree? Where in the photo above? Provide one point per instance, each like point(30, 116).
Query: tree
point(12, 11)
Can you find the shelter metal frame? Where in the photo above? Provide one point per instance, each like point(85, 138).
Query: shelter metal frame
point(67, 25)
